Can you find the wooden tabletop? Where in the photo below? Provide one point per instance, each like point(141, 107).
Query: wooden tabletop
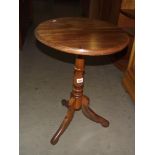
point(82, 36)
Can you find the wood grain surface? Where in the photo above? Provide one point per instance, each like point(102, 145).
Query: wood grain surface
point(82, 36)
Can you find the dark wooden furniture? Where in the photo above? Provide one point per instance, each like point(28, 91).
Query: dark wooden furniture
point(127, 62)
point(127, 22)
point(25, 19)
point(107, 10)
point(80, 36)
point(85, 7)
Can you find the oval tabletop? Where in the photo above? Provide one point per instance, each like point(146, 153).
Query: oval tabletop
point(82, 36)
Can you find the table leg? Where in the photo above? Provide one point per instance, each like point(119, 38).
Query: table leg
point(77, 101)
point(64, 124)
point(89, 113)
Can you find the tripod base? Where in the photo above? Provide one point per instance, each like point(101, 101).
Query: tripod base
point(77, 101)
point(87, 111)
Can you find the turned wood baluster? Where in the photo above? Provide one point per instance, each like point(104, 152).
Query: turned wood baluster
point(78, 82)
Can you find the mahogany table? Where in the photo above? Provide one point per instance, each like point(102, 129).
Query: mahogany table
point(80, 36)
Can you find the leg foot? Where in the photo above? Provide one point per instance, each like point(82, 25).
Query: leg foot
point(89, 113)
point(63, 125)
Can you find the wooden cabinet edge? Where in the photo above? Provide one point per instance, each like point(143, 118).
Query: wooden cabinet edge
point(129, 85)
point(129, 76)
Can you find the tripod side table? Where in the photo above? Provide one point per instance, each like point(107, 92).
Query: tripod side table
point(80, 36)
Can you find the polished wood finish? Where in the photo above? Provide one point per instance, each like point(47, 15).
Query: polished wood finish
point(78, 101)
point(65, 122)
point(89, 113)
point(82, 36)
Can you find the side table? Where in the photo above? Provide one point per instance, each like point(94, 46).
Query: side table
point(80, 36)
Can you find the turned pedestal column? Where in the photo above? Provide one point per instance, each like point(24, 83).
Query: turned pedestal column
point(77, 101)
